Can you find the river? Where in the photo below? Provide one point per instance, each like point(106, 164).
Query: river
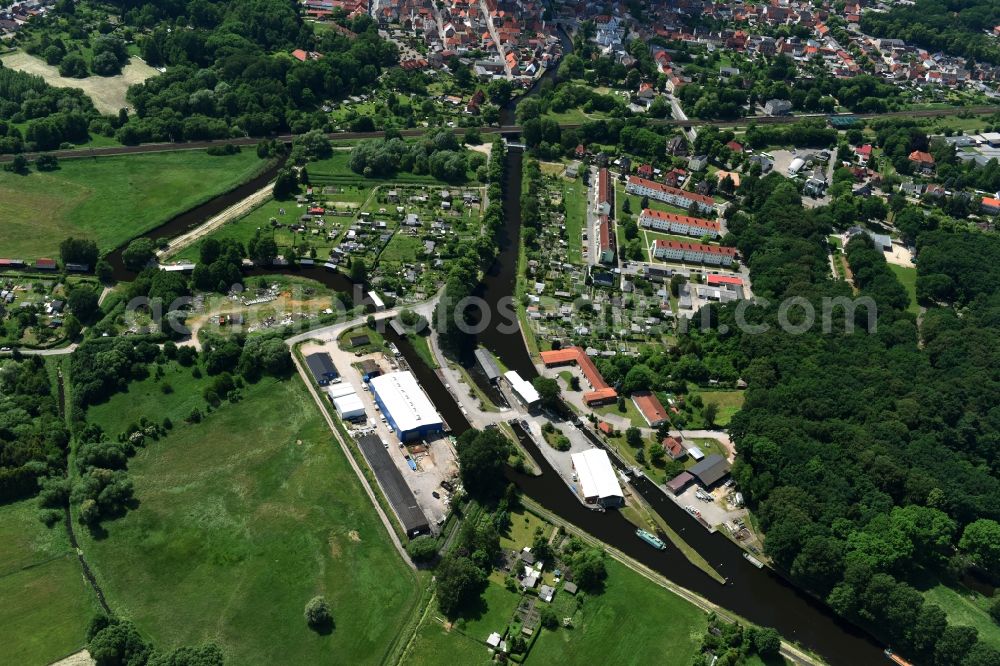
point(761, 596)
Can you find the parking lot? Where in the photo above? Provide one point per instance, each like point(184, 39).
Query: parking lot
point(716, 512)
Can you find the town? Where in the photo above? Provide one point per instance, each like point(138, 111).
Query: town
point(405, 332)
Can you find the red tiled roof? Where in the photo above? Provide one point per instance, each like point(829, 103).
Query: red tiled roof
point(684, 219)
point(922, 157)
point(666, 189)
point(576, 355)
point(697, 247)
point(673, 446)
point(602, 186)
point(650, 406)
point(724, 279)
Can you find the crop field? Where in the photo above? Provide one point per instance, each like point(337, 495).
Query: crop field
point(46, 601)
point(241, 520)
point(111, 199)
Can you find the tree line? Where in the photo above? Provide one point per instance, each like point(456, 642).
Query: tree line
point(477, 256)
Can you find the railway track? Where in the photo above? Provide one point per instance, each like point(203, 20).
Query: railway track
point(107, 151)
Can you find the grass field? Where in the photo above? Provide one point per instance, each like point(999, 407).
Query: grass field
point(46, 601)
point(110, 199)
point(966, 607)
point(575, 201)
point(729, 402)
point(242, 519)
point(632, 622)
point(107, 92)
point(421, 345)
point(631, 413)
point(435, 645)
point(907, 276)
point(146, 398)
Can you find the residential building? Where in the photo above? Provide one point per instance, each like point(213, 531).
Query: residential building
point(650, 407)
point(697, 253)
point(777, 107)
point(923, 162)
point(678, 224)
point(673, 447)
point(671, 195)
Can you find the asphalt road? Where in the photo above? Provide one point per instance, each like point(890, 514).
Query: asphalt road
point(76, 153)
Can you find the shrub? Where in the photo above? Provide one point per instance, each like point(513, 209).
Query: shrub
point(422, 549)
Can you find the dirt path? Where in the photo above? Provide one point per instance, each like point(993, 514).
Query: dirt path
point(237, 210)
point(81, 658)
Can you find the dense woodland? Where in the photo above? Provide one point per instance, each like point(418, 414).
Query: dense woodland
point(48, 111)
point(957, 27)
point(871, 462)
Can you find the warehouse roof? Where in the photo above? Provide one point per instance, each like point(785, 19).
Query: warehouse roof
point(711, 469)
point(339, 390)
point(523, 388)
point(597, 477)
point(403, 398)
point(394, 485)
point(321, 366)
point(487, 363)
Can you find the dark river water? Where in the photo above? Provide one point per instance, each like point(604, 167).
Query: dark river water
point(760, 595)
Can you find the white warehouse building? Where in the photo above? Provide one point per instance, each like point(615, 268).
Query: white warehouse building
point(349, 407)
point(407, 409)
point(598, 483)
point(346, 401)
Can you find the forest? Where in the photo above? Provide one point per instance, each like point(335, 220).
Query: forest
point(53, 115)
point(957, 27)
point(870, 461)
